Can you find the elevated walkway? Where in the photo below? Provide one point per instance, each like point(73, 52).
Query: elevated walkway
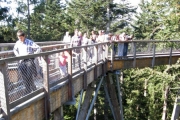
point(54, 90)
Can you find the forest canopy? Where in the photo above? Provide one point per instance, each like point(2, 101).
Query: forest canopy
point(49, 20)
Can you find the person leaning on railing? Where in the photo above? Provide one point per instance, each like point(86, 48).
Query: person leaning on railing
point(125, 50)
point(26, 67)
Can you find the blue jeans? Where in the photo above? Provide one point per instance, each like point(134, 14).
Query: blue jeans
point(125, 50)
point(120, 49)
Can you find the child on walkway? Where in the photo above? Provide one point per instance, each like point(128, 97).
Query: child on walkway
point(62, 64)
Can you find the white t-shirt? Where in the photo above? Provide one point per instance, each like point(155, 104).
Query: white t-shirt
point(67, 38)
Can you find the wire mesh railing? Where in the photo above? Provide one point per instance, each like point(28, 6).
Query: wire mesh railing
point(24, 77)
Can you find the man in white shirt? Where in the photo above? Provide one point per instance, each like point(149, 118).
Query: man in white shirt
point(27, 68)
point(75, 42)
point(67, 39)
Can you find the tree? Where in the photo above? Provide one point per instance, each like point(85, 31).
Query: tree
point(88, 15)
point(158, 20)
point(121, 16)
point(156, 83)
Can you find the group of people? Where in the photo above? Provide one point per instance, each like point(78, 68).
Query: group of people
point(27, 67)
point(78, 39)
point(122, 47)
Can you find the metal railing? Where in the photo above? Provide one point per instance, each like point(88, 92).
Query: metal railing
point(9, 46)
point(27, 76)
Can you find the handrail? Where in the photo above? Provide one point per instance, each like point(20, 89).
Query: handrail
point(45, 53)
point(10, 52)
point(39, 43)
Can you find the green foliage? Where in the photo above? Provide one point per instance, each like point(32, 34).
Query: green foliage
point(121, 16)
point(3, 13)
point(88, 15)
point(159, 19)
point(143, 92)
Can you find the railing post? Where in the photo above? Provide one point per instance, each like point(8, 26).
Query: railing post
point(95, 61)
point(104, 60)
point(85, 67)
point(106, 57)
point(46, 87)
point(154, 53)
point(70, 95)
point(106, 51)
point(134, 62)
point(4, 91)
point(170, 55)
point(112, 56)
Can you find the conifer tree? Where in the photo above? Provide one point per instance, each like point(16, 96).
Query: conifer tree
point(158, 20)
point(88, 14)
point(121, 16)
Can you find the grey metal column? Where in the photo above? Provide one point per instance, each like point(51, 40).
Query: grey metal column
point(134, 62)
point(107, 96)
point(79, 104)
point(176, 109)
point(94, 99)
point(120, 98)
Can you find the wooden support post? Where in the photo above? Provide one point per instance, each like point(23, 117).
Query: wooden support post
point(85, 67)
point(4, 91)
point(112, 91)
point(58, 114)
point(70, 94)
point(86, 102)
point(46, 88)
